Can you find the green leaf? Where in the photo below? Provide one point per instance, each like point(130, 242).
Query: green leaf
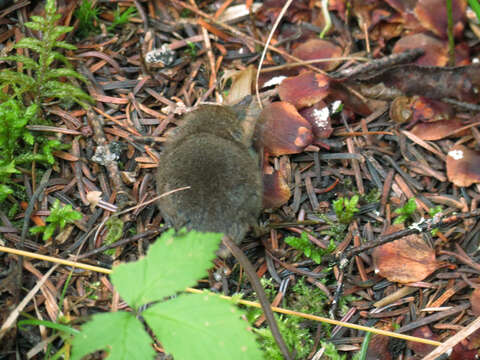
point(12, 77)
point(36, 25)
point(30, 43)
point(37, 229)
point(56, 73)
point(119, 333)
point(36, 19)
point(60, 30)
point(50, 7)
point(49, 230)
point(331, 352)
point(62, 90)
point(198, 326)
point(8, 168)
point(28, 62)
point(49, 324)
point(156, 276)
point(4, 192)
point(65, 45)
point(411, 206)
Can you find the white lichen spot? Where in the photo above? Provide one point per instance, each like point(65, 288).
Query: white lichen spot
point(456, 154)
point(320, 117)
point(274, 81)
point(163, 55)
point(377, 270)
point(416, 225)
point(336, 106)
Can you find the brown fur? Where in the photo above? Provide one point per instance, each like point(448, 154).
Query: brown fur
point(208, 154)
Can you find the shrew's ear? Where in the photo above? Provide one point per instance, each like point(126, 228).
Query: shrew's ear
point(247, 111)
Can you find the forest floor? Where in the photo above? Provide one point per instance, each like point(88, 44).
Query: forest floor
point(370, 159)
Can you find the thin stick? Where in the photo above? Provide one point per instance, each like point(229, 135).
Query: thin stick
point(243, 302)
point(14, 314)
point(454, 340)
point(265, 49)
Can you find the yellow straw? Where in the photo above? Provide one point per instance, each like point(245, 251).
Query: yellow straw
point(240, 301)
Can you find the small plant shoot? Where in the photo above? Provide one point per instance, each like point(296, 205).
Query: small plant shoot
point(189, 326)
point(345, 208)
point(309, 249)
point(59, 217)
point(121, 18)
point(44, 81)
point(406, 211)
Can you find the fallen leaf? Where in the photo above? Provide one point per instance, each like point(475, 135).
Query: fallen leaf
point(436, 51)
point(421, 349)
point(408, 259)
point(475, 301)
point(463, 166)
point(436, 130)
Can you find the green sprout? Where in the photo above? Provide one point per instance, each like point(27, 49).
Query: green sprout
point(121, 18)
point(308, 249)
point(346, 208)
point(59, 217)
point(87, 16)
point(406, 211)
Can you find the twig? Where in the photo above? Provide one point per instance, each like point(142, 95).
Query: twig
point(454, 340)
point(265, 49)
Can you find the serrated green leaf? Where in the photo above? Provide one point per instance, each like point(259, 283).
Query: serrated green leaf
point(119, 333)
point(8, 168)
point(60, 30)
point(12, 77)
point(36, 19)
point(30, 43)
point(4, 192)
point(202, 327)
point(65, 45)
point(28, 62)
point(157, 275)
point(50, 7)
point(54, 88)
point(56, 73)
point(37, 25)
point(55, 55)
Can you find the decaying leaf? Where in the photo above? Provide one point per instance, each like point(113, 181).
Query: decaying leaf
point(405, 260)
point(241, 85)
point(436, 130)
point(475, 301)
point(378, 348)
point(421, 349)
point(432, 15)
point(436, 51)
point(463, 166)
